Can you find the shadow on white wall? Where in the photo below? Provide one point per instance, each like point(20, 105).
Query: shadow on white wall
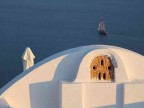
point(44, 94)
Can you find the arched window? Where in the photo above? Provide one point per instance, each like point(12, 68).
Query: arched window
point(102, 68)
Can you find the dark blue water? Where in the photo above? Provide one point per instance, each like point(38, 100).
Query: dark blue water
point(50, 26)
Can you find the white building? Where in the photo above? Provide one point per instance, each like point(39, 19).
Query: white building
point(96, 76)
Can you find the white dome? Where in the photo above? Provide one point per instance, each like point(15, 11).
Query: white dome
point(34, 87)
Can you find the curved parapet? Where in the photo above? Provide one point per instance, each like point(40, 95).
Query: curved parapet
point(43, 85)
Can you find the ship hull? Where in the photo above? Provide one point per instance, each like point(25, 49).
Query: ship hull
point(103, 33)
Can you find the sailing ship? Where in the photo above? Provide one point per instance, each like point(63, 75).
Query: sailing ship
point(102, 29)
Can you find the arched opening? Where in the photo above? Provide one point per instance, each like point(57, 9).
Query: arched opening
point(94, 67)
point(104, 76)
point(99, 76)
point(109, 68)
point(102, 68)
point(102, 62)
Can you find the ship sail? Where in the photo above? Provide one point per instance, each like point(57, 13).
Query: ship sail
point(101, 28)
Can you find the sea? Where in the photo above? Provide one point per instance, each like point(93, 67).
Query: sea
point(51, 26)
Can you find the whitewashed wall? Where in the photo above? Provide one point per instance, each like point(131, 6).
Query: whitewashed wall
point(38, 87)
